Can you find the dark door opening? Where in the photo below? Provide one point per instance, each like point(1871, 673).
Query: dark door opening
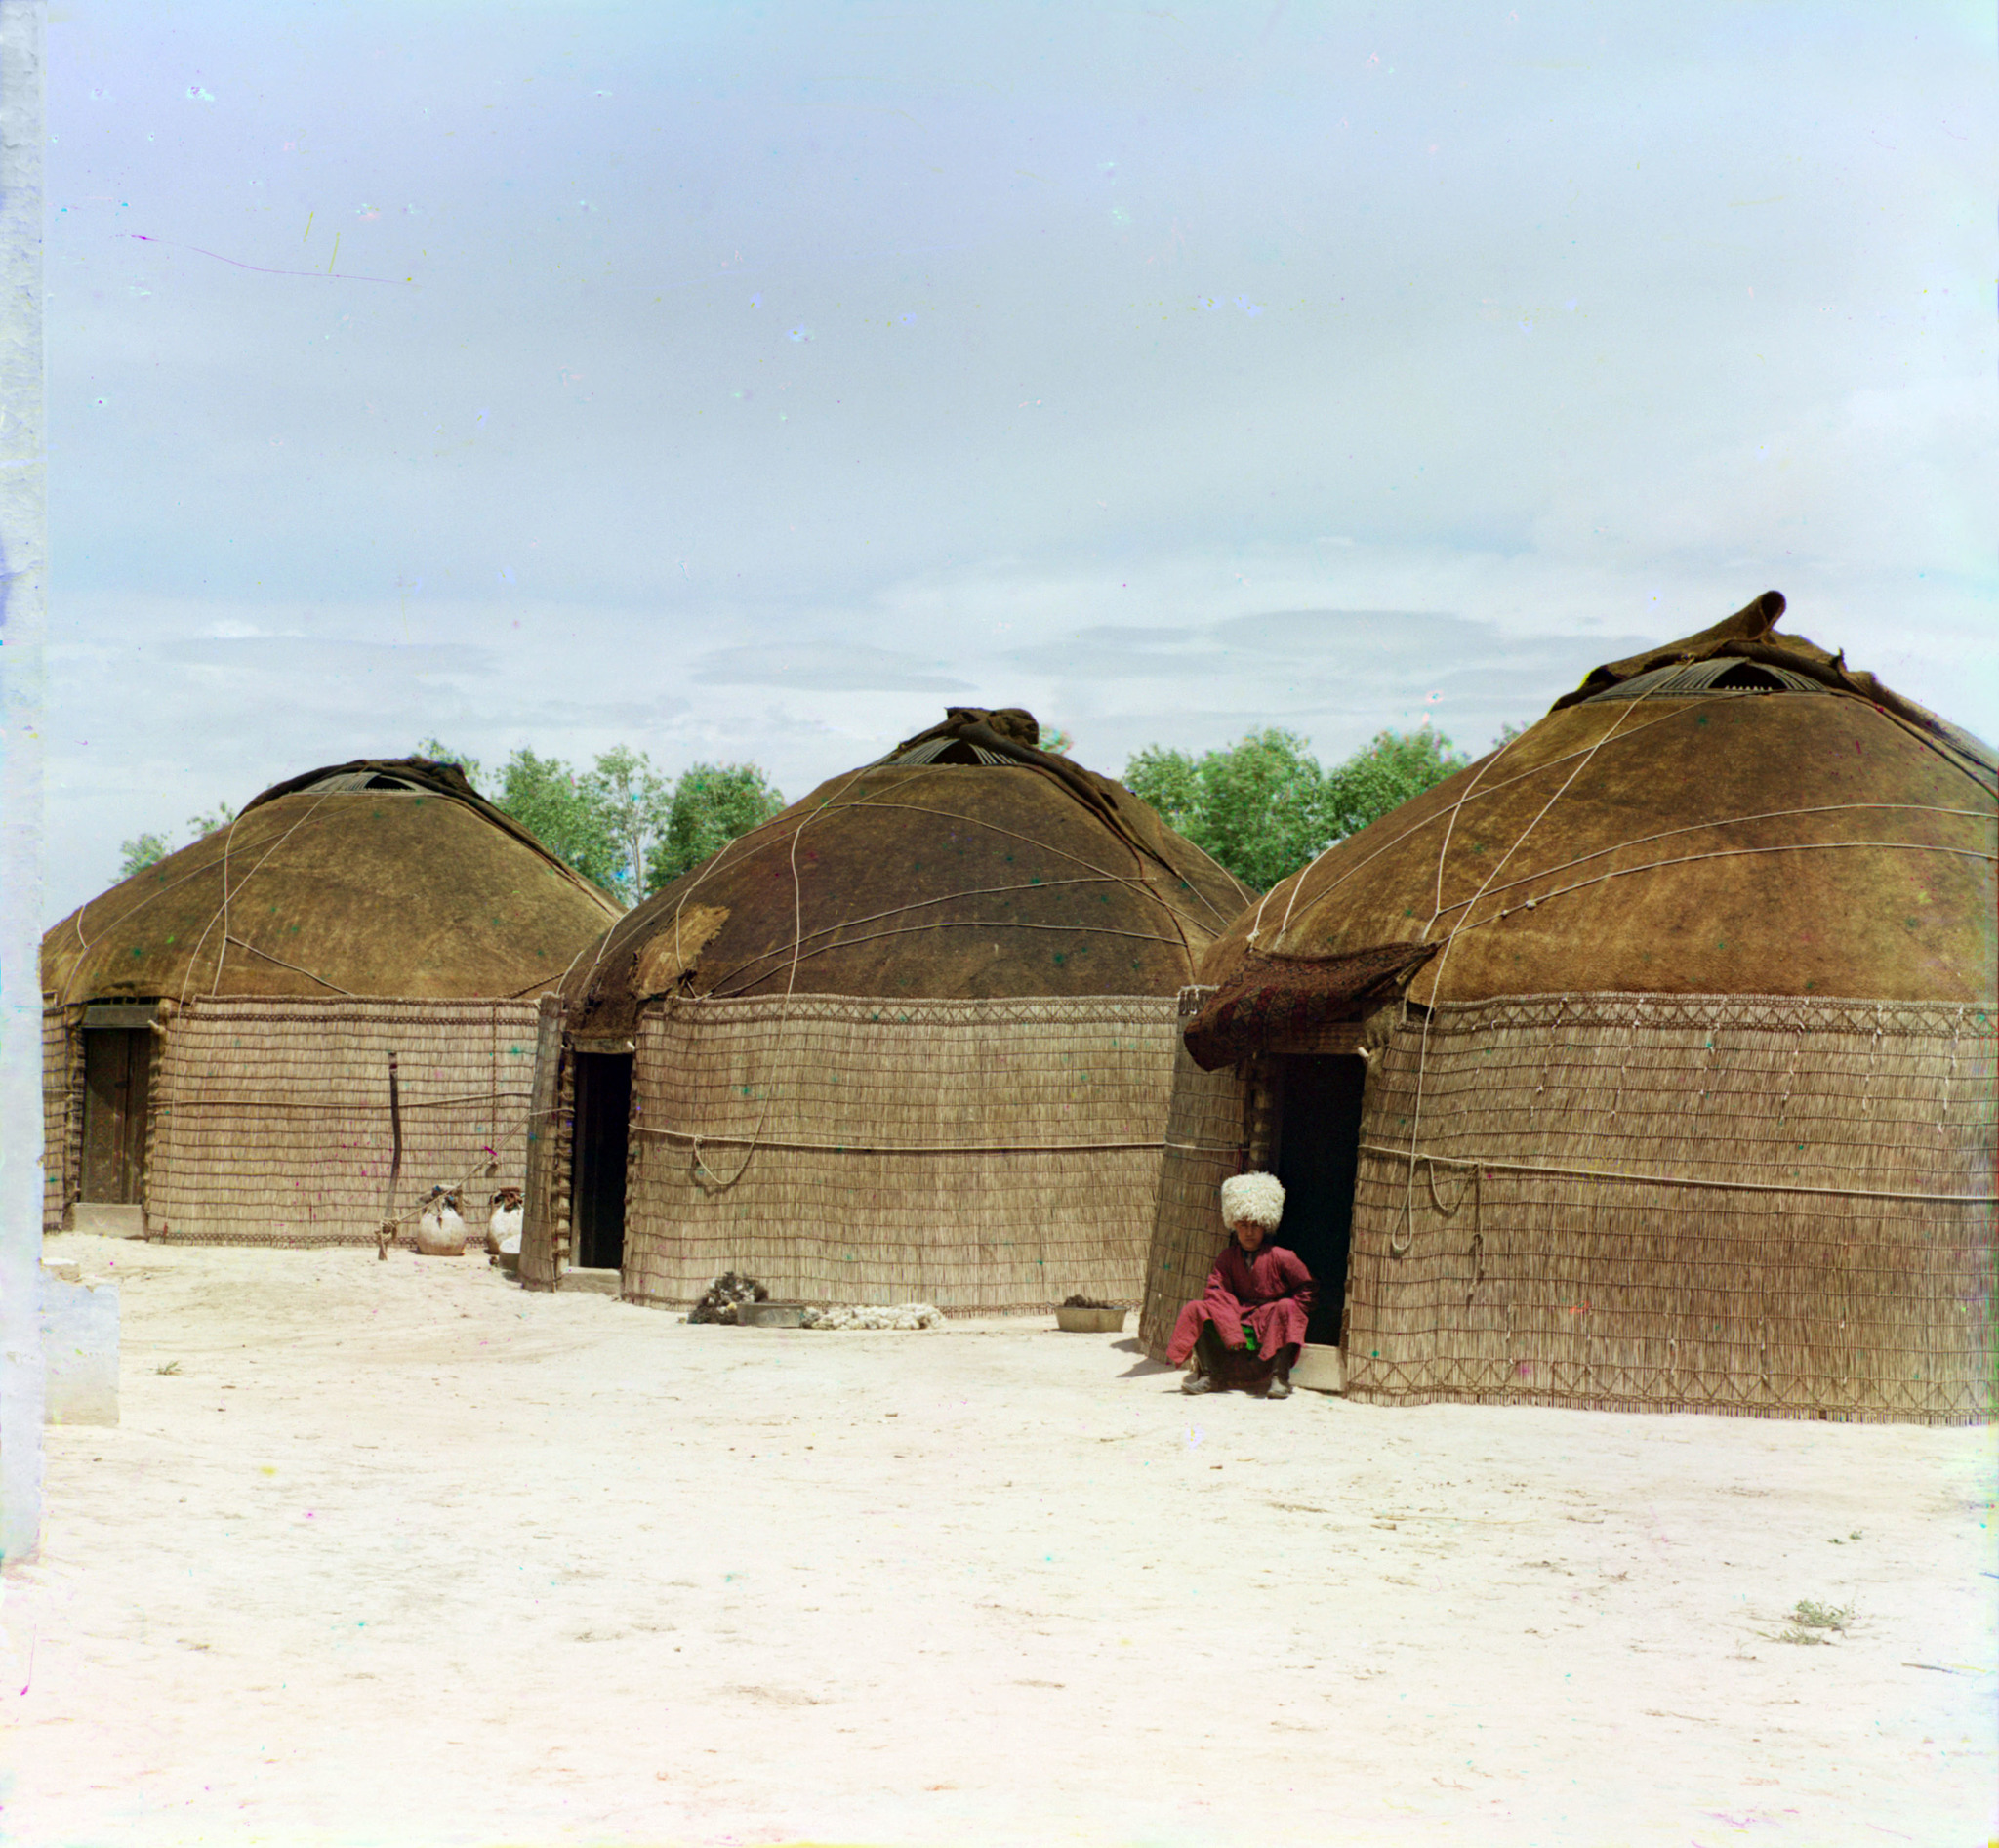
point(117, 1079)
point(597, 1146)
point(1318, 1154)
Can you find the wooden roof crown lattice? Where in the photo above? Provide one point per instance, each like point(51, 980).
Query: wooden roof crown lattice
point(384, 877)
point(968, 863)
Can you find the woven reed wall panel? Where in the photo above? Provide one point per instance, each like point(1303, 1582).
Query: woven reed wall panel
point(1204, 1145)
point(1592, 1291)
point(62, 1152)
point(565, 1159)
point(902, 1150)
point(271, 1116)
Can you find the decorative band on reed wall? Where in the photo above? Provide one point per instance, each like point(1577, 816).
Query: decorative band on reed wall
point(1671, 1267)
point(986, 1156)
point(271, 1116)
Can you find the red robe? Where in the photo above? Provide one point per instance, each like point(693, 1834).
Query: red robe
point(1270, 1289)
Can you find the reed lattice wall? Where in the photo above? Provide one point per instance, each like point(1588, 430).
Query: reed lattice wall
point(1732, 1204)
point(986, 1156)
point(1207, 1141)
point(62, 1113)
point(271, 1125)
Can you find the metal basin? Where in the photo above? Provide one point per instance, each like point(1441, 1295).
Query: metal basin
point(1091, 1320)
point(770, 1315)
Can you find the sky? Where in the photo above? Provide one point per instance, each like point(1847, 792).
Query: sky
point(749, 381)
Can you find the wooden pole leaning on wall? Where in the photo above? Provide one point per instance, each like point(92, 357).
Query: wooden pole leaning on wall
point(538, 1203)
point(384, 1233)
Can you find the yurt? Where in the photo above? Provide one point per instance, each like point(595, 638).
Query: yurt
point(911, 1040)
point(1647, 1063)
point(246, 1042)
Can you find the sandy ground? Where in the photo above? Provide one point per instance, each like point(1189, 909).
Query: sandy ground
point(403, 1554)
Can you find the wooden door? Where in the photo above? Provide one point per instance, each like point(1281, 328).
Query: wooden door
point(117, 1074)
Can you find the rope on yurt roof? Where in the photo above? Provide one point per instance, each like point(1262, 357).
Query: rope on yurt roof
point(86, 944)
point(1493, 789)
point(910, 930)
point(918, 904)
point(701, 1166)
point(1141, 887)
point(1136, 884)
point(228, 939)
point(1416, 828)
point(540, 983)
point(1408, 1216)
point(221, 910)
point(1098, 873)
point(1451, 828)
point(1734, 821)
point(1716, 853)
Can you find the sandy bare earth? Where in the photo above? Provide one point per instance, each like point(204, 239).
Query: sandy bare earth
point(401, 1554)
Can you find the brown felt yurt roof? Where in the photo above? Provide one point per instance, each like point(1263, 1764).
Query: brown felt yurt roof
point(386, 876)
point(966, 864)
point(1735, 813)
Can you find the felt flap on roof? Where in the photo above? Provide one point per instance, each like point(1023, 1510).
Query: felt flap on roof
point(1277, 996)
point(1751, 635)
point(1009, 735)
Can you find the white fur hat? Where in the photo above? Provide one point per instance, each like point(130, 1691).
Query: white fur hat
point(1257, 1198)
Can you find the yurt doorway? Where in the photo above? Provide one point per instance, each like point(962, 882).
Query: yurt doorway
point(1318, 1154)
point(117, 1082)
point(603, 1121)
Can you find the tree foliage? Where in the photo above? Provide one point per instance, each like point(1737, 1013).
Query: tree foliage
point(568, 813)
point(1264, 806)
point(621, 824)
point(621, 817)
point(712, 803)
point(147, 849)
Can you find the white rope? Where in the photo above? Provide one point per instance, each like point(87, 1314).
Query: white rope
point(1444, 957)
point(1498, 1165)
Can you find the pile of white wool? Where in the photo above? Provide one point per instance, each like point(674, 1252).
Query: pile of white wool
point(905, 1315)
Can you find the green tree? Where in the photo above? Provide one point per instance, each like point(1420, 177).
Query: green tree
point(1264, 807)
point(637, 803)
point(202, 826)
point(1395, 766)
point(1171, 781)
point(149, 849)
point(711, 804)
point(567, 813)
point(1256, 806)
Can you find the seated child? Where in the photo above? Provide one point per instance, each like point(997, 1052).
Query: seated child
point(1246, 1330)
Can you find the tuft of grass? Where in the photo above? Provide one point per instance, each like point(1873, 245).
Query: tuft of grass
point(170, 1366)
point(1808, 1622)
point(1809, 1615)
